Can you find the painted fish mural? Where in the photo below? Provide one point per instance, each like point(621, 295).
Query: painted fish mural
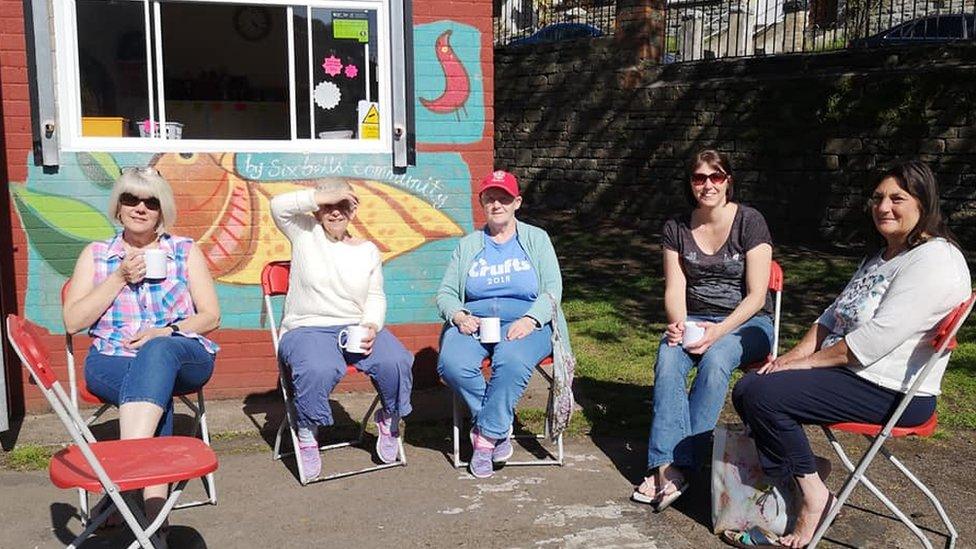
point(228, 215)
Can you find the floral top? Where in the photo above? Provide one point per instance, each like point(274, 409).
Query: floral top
point(890, 309)
point(149, 304)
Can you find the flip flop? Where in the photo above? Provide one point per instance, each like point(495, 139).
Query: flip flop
point(754, 538)
point(641, 497)
point(666, 500)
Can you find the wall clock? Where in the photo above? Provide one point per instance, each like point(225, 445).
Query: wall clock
point(252, 22)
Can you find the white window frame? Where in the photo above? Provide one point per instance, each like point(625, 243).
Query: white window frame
point(69, 94)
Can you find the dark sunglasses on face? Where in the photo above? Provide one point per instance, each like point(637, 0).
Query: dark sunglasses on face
point(716, 178)
point(344, 206)
point(131, 200)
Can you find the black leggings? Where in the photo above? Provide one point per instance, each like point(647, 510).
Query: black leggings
point(776, 406)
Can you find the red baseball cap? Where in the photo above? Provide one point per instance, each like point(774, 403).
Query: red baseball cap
point(501, 179)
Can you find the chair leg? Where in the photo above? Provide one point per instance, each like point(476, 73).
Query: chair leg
point(953, 535)
point(84, 511)
point(366, 418)
point(858, 476)
point(209, 485)
point(456, 430)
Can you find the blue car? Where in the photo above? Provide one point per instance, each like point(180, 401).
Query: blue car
point(949, 27)
point(558, 32)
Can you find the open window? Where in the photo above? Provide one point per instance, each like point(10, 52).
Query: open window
point(199, 75)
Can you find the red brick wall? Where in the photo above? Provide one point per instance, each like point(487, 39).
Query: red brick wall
point(246, 363)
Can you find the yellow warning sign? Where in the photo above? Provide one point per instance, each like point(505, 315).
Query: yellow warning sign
point(372, 116)
point(369, 120)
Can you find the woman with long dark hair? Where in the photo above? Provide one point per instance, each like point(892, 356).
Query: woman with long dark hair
point(860, 357)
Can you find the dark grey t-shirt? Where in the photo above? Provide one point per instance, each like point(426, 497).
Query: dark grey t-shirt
point(716, 283)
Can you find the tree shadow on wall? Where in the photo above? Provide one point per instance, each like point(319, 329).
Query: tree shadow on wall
point(806, 133)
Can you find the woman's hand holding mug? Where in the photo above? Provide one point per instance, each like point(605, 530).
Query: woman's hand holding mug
point(133, 268)
point(711, 335)
point(674, 333)
point(367, 342)
point(466, 323)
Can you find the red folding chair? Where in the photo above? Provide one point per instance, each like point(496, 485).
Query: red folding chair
point(110, 467)
point(198, 410)
point(776, 279)
point(458, 420)
point(944, 342)
point(274, 282)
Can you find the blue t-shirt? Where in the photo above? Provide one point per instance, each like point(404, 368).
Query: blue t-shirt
point(501, 281)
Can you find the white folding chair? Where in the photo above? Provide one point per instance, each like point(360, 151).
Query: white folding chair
point(198, 410)
point(943, 342)
point(115, 466)
point(274, 282)
point(553, 458)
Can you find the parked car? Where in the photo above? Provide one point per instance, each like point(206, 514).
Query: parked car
point(930, 29)
point(558, 32)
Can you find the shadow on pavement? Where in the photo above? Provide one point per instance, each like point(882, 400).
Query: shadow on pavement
point(63, 515)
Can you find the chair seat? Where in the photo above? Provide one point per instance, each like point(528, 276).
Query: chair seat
point(134, 463)
point(85, 395)
point(924, 430)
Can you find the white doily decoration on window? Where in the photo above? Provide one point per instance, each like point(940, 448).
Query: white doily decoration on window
point(327, 95)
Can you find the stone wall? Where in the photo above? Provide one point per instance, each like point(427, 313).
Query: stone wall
point(591, 135)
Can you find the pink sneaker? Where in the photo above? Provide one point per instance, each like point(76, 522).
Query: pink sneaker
point(311, 459)
point(388, 441)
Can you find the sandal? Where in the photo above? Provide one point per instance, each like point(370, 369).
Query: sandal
point(664, 500)
point(642, 497)
point(754, 537)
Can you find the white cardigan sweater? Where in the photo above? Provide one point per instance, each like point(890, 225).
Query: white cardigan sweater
point(331, 283)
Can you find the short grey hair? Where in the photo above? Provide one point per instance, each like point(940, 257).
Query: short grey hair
point(145, 182)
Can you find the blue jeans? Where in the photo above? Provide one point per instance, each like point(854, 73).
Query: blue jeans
point(683, 421)
point(163, 367)
point(492, 403)
point(317, 364)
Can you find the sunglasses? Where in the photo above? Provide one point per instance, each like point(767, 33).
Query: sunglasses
point(131, 200)
point(716, 178)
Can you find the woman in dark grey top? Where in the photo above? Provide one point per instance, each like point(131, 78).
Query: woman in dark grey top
point(716, 273)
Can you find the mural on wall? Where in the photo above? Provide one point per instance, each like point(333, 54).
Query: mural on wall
point(223, 199)
point(457, 84)
point(449, 83)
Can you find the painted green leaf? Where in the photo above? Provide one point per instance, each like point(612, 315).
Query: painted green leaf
point(59, 227)
point(101, 168)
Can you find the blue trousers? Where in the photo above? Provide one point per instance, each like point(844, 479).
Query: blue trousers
point(492, 403)
point(683, 421)
point(163, 367)
point(776, 406)
point(317, 364)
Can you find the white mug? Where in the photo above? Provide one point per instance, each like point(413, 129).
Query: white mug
point(155, 264)
point(489, 330)
point(354, 335)
point(693, 333)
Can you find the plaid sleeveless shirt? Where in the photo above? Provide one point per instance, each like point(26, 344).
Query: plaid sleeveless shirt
point(148, 304)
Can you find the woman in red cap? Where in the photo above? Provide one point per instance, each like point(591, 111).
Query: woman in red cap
point(501, 298)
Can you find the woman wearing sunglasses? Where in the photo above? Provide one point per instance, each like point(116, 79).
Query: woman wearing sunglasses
point(716, 273)
point(147, 334)
point(336, 285)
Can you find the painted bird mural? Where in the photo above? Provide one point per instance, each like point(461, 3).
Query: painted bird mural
point(457, 83)
point(228, 215)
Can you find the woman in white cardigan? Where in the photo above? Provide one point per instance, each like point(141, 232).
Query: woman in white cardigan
point(336, 282)
point(859, 358)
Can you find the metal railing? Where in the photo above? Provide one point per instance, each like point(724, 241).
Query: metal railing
point(519, 22)
point(708, 29)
